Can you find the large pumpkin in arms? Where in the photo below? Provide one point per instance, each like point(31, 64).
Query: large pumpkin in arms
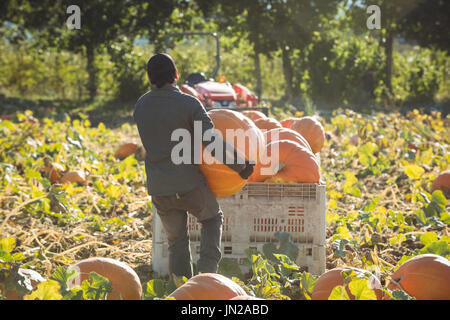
point(294, 163)
point(287, 123)
point(208, 286)
point(312, 130)
point(286, 134)
point(267, 124)
point(254, 115)
point(248, 141)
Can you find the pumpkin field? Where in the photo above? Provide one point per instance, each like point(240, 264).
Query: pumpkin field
point(67, 196)
point(116, 122)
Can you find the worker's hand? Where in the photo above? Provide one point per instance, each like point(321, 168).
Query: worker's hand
point(247, 171)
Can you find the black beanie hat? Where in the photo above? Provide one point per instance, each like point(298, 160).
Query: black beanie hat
point(161, 69)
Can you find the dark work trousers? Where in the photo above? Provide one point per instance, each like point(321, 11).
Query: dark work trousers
point(173, 211)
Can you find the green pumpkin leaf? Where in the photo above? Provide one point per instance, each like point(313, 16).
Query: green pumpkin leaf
point(361, 289)
point(96, 288)
point(154, 288)
point(414, 171)
point(229, 267)
point(428, 238)
point(7, 244)
point(338, 293)
point(47, 290)
point(441, 248)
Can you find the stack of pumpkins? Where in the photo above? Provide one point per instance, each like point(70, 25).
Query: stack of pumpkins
point(284, 152)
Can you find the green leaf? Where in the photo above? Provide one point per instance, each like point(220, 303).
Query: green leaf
point(7, 244)
point(286, 246)
point(445, 217)
point(338, 293)
point(365, 154)
point(428, 238)
point(307, 283)
point(399, 295)
point(47, 290)
point(229, 267)
point(414, 171)
point(421, 218)
point(439, 199)
point(96, 288)
point(361, 289)
point(63, 277)
point(339, 246)
point(154, 288)
point(441, 248)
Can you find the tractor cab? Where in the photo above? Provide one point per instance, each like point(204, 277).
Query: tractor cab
point(217, 94)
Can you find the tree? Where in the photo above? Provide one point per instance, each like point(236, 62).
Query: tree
point(102, 23)
point(428, 24)
point(272, 25)
point(393, 14)
point(247, 18)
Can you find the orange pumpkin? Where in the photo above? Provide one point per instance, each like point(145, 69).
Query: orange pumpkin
point(333, 278)
point(53, 170)
point(294, 163)
point(286, 134)
point(254, 115)
point(425, 277)
point(286, 123)
point(442, 182)
point(124, 280)
point(249, 145)
point(312, 130)
point(208, 286)
point(267, 124)
point(77, 176)
point(31, 277)
point(126, 150)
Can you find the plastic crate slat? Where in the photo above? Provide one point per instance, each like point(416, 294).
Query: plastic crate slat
point(254, 215)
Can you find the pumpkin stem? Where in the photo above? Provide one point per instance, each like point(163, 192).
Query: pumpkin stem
point(397, 282)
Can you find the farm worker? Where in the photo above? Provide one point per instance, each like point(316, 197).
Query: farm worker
point(177, 189)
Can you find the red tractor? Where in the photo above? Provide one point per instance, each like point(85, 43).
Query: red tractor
point(215, 94)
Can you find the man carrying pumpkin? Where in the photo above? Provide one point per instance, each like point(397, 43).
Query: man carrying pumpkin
point(177, 189)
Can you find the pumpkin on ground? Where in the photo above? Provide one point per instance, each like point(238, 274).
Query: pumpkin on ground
point(53, 170)
point(333, 278)
point(248, 141)
point(78, 176)
point(424, 277)
point(267, 124)
point(208, 286)
point(312, 130)
point(286, 134)
point(442, 182)
point(124, 280)
point(125, 150)
point(286, 123)
point(30, 279)
point(254, 115)
point(287, 161)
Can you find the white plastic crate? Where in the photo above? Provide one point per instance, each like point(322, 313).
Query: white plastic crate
point(251, 218)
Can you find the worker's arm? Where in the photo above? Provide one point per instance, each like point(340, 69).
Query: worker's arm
point(232, 159)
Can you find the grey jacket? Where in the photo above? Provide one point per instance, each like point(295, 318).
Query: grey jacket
point(157, 114)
